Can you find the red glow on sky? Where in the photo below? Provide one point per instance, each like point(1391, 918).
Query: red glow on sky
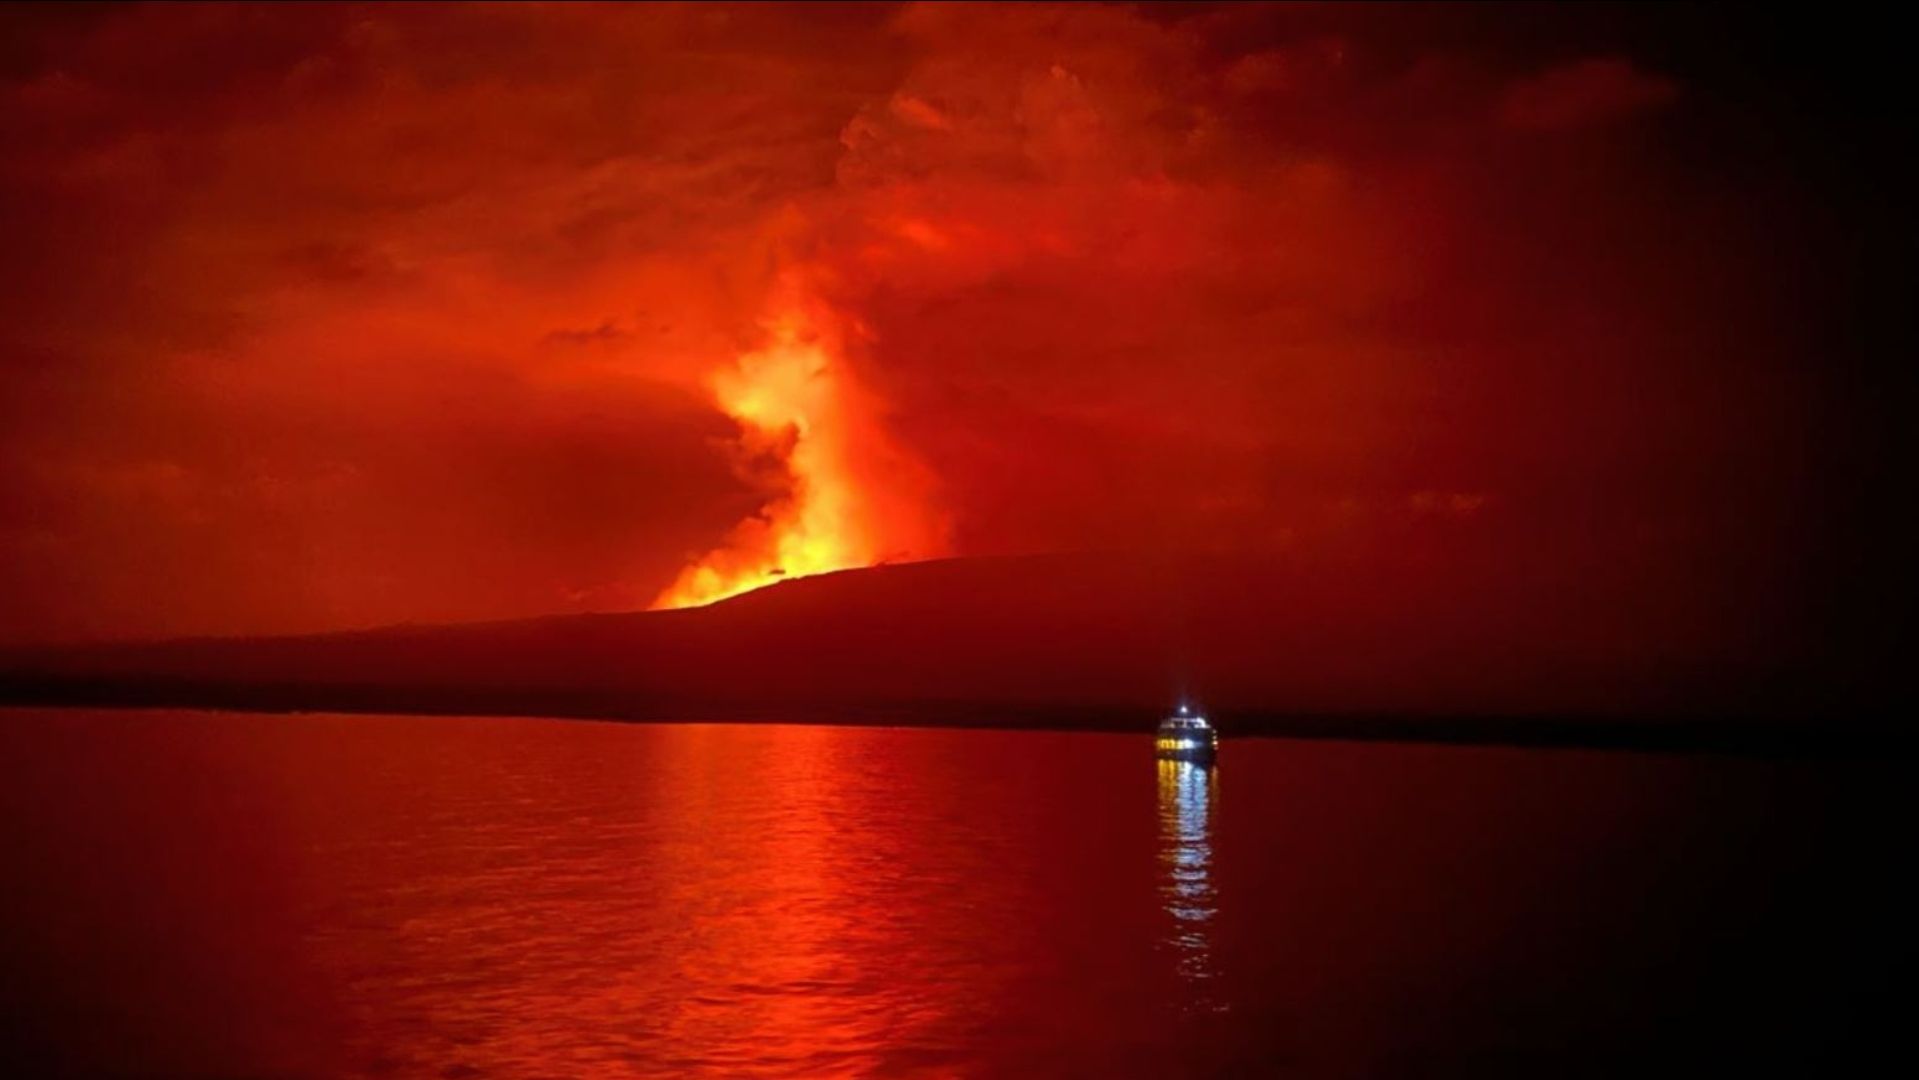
point(337, 316)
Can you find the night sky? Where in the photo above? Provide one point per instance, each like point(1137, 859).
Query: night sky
point(335, 316)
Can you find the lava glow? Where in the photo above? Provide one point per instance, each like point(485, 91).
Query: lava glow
point(328, 316)
point(795, 402)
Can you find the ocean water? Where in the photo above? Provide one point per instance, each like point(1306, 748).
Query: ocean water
point(198, 894)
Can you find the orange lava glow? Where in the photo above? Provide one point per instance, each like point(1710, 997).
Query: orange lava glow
point(795, 400)
point(321, 317)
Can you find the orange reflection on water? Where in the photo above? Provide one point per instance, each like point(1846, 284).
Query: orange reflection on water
point(680, 900)
point(782, 953)
point(1187, 793)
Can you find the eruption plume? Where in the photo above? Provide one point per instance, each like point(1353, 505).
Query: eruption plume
point(845, 496)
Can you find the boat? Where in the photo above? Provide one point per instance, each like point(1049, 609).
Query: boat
point(1187, 736)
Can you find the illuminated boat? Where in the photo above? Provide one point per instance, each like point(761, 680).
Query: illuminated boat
point(1186, 736)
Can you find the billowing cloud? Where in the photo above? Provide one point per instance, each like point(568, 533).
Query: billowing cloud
point(332, 316)
point(1584, 92)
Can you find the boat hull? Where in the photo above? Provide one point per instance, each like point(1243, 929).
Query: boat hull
point(1199, 755)
point(1186, 736)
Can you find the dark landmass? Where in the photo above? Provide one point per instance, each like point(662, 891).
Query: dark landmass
point(1440, 644)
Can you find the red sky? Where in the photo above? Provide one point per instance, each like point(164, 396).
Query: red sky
point(335, 316)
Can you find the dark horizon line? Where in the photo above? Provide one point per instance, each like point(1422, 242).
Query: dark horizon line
point(1728, 735)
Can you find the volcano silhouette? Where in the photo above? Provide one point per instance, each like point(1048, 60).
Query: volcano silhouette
point(1448, 640)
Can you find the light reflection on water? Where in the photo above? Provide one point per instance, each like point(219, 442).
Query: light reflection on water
point(1186, 798)
point(406, 897)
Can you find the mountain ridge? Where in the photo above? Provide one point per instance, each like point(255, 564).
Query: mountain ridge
point(1455, 642)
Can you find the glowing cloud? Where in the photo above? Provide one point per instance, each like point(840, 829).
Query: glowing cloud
point(797, 403)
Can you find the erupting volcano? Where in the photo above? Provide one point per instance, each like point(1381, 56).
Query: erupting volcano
point(648, 306)
point(801, 410)
point(1489, 414)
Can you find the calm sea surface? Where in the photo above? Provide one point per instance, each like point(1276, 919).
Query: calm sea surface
point(230, 895)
